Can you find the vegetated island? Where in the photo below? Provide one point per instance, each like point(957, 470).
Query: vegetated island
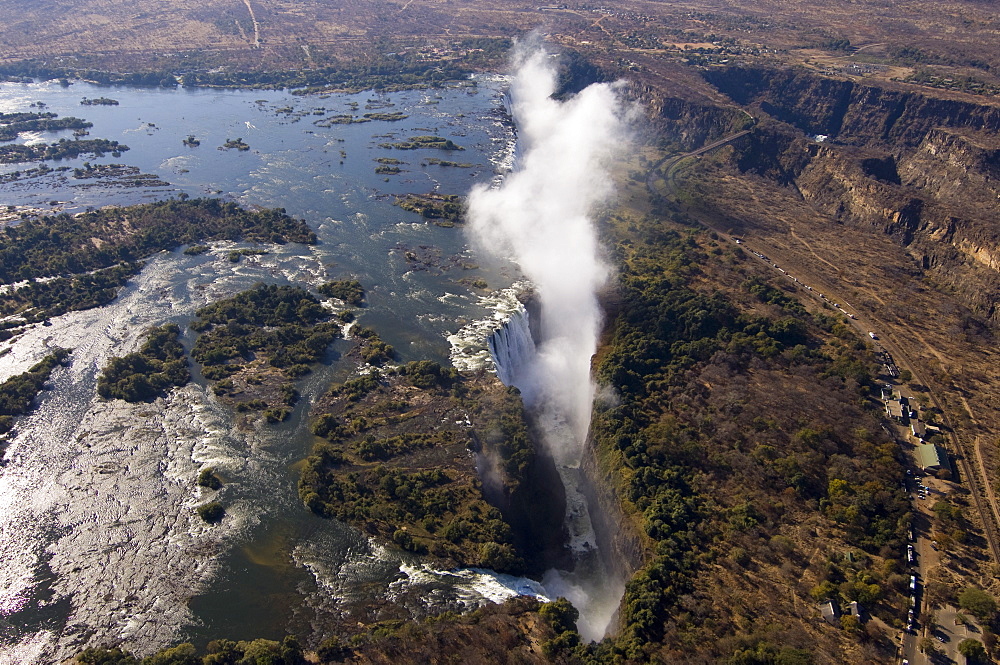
point(445, 162)
point(235, 144)
point(253, 345)
point(14, 124)
point(99, 101)
point(445, 209)
point(19, 392)
point(349, 119)
point(63, 149)
point(149, 372)
point(78, 262)
point(421, 142)
point(115, 175)
point(348, 290)
point(395, 462)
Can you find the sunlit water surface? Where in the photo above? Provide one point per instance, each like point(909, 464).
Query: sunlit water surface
point(98, 536)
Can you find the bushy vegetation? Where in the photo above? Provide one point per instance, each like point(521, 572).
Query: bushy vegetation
point(37, 301)
point(13, 124)
point(63, 149)
point(374, 350)
point(429, 374)
point(212, 512)
point(208, 479)
point(448, 207)
point(388, 462)
point(348, 290)
point(99, 101)
point(235, 144)
point(18, 392)
point(709, 476)
point(421, 142)
point(286, 324)
point(218, 652)
point(65, 244)
point(150, 372)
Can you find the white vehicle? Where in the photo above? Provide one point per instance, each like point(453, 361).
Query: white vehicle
point(872, 335)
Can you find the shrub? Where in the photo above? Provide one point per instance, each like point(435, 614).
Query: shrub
point(212, 512)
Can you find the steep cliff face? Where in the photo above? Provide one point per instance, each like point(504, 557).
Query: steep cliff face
point(691, 124)
point(619, 538)
point(850, 112)
point(923, 170)
point(917, 202)
point(957, 166)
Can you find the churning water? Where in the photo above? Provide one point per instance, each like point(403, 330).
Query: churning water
point(98, 537)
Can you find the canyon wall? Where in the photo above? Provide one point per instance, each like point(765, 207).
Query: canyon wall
point(921, 169)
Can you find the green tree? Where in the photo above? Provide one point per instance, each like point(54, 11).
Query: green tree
point(182, 654)
point(103, 656)
point(977, 601)
point(560, 615)
point(973, 650)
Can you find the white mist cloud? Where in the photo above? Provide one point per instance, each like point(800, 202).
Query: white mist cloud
point(541, 216)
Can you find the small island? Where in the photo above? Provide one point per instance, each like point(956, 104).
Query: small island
point(100, 101)
point(253, 346)
point(419, 142)
point(235, 144)
point(448, 209)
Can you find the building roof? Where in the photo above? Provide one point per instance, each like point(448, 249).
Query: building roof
point(932, 456)
point(894, 408)
point(831, 611)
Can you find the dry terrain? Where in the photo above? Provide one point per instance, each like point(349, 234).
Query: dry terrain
point(853, 144)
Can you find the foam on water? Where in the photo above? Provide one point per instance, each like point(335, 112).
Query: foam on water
point(470, 346)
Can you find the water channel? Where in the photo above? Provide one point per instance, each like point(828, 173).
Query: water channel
point(98, 535)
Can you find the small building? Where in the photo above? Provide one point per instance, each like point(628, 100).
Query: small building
point(855, 609)
point(918, 429)
point(894, 409)
point(830, 609)
point(932, 457)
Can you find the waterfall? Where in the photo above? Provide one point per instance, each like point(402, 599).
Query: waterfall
point(541, 215)
point(512, 347)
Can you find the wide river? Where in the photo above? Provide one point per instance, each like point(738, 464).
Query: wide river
point(98, 536)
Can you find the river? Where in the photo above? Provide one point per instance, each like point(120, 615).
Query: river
point(98, 533)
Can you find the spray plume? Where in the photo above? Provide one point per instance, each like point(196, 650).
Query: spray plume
point(541, 217)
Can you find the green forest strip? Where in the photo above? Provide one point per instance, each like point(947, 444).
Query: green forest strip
point(19, 392)
point(93, 254)
point(63, 149)
point(387, 462)
point(150, 372)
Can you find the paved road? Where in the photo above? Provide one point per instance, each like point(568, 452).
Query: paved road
point(670, 161)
